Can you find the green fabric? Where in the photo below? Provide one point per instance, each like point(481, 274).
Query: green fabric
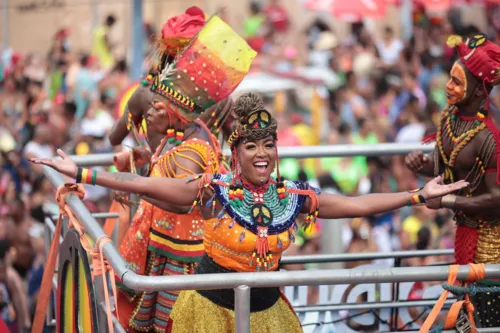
point(56, 80)
point(290, 168)
point(346, 178)
point(252, 25)
point(360, 161)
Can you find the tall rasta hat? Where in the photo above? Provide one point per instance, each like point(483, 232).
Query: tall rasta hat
point(206, 71)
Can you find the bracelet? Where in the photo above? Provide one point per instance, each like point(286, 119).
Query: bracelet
point(448, 201)
point(415, 190)
point(417, 199)
point(86, 176)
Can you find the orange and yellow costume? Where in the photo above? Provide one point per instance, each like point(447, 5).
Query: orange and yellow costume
point(231, 245)
point(163, 243)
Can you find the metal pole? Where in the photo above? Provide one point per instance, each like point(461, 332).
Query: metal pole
point(48, 240)
point(242, 309)
point(137, 40)
point(479, 330)
point(326, 258)
point(369, 306)
point(5, 25)
point(382, 149)
point(105, 215)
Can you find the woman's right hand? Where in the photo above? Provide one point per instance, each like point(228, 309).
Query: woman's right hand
point(66, 166)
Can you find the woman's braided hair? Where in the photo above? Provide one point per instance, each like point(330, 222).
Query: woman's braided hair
point(245, 105)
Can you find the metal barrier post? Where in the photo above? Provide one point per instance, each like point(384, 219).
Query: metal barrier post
point(242, 309)
point(47, 235)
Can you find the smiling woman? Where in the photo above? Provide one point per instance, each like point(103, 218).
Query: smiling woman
point(250, 220)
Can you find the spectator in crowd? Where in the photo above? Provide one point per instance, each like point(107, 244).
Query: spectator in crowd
point(102, 47)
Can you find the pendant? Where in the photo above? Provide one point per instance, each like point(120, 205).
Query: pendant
point(262, 255)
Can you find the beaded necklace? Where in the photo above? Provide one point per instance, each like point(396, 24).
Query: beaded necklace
point(450, 127)
point(270, 209)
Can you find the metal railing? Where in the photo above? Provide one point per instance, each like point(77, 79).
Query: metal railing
point(243, 282)
point(386, 149)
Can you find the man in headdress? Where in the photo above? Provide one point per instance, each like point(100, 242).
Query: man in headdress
point(467, 147)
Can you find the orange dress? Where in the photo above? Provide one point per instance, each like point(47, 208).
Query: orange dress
point(163, 243)
point(230, 246)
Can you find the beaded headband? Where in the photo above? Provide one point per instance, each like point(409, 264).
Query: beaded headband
point(256, 120)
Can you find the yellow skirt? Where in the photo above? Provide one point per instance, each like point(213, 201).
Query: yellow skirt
point(193, 313)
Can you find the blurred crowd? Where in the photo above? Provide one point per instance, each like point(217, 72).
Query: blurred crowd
point(375, 89)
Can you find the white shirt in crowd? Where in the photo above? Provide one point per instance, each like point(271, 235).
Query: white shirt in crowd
point(390, 53)
point(38, 150)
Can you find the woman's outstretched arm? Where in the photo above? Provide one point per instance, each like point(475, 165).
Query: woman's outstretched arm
point(337, 206)
point(170, 190)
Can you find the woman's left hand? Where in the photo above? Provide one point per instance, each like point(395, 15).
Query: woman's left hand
point(435, 188)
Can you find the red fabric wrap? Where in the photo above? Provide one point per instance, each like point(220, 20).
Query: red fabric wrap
point(178, 31)
point(496, 134)
point(465, 244)
point(482, 58)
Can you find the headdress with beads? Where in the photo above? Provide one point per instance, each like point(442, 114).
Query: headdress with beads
point(206, 71)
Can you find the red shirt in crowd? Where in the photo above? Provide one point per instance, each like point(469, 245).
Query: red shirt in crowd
point(277, 16)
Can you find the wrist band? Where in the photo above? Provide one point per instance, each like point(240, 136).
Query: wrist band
point(79, 175)
point(417, 199)
point(448, 201)
point(86, 176)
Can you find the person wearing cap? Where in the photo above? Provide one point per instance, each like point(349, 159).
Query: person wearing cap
point(467, 147)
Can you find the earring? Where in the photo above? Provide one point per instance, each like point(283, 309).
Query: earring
point(179, 137)
point(170, 135)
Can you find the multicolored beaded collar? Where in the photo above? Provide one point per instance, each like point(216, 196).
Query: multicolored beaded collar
point(263, 210)
point(276, 215)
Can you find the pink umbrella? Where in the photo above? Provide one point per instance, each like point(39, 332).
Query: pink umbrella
point(436, 5)
point(350, 10)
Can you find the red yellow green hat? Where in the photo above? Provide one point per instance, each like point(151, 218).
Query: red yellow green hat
point(207, 71)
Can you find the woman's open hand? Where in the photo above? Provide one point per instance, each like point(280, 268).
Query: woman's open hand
point(435, 188)
point(66, 166)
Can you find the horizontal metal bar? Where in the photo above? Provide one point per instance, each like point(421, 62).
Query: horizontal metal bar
point(105, 215)
point(326, 258)
point(369, 306)
point(382, 149)
point(478, 330)
point(296, 278)
point(252, 280)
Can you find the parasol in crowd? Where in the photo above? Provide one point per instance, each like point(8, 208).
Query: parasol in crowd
point(351, 10)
